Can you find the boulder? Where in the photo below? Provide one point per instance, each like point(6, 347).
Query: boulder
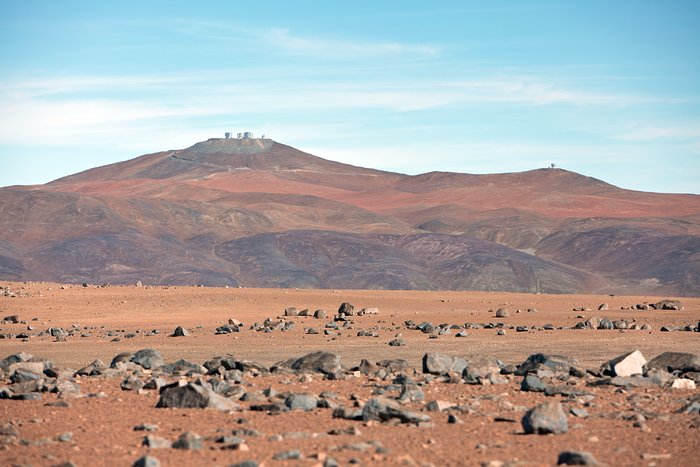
point(192, 396)
point(576, 458)
point(347, 309)
point(629, 364)
point(189, 441)
point(502, 313)
point(668, 305)
point(147, 461)
point(556, 363)
point(305, 402)
point(675, 361)
point(180, 332)
point(383, 409)
point(147, 358)
point(546, 418)
point(321, 362)
point(479, 368)
point(439, 364)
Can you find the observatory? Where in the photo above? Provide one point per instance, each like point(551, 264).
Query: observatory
point(239, 135)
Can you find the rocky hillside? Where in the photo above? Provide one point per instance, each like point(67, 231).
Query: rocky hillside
point(254, 212)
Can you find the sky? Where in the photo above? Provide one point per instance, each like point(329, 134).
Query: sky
point(606, 89)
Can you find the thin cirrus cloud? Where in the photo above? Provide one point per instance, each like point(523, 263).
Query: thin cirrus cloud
point(285, 40)
point(661, 132)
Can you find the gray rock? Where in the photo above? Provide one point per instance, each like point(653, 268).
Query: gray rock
point(502, 313)
point(180, 332)
point(667, 305)
point(305, 402)
point(576, 458)
point(148, 359)
point(12, 319)
point(532, 383)
point(293, 454)
point(629, 364)
point(397, 342)
point(383, 409)
point(132, 383)
point(156, 442)
point(606, 323)
point(556, 363)
point(320, 314)
point(95, 368)
point(439, 364)
point(193, 396)
point(182, 367)
point(480, 368)
point(675, 361)
point(21, 375)
point(244, 464)
point(546, 418)
point(291, 311)
point(347, 309)
point(124, 357)
point(603, 307)
point(189, 441)
point(146, 427)
point(322, 362)
point(147, 461)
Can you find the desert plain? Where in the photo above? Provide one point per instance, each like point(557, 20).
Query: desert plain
point(452, 419)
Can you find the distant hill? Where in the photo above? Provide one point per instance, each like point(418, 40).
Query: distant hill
point(254, 212)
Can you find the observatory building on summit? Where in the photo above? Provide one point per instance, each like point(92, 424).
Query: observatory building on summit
point(243, 135)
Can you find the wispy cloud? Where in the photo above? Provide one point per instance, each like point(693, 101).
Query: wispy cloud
point(659, 132)
point(285, 40)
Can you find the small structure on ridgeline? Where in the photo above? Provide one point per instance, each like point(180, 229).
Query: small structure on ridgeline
point(239, 135)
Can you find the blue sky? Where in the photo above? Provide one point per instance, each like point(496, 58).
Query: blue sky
point(607, 89)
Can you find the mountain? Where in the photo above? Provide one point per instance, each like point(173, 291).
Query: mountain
point(254, 212)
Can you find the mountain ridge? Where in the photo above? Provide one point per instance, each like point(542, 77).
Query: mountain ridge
point(193, 207)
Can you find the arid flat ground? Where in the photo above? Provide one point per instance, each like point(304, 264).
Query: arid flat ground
point(103, 427)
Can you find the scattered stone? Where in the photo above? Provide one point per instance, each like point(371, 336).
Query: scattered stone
point(556, 363)
point(629, 364)
point(532, 383)
point(148, 359)
point(65, 437)
point(321, 362)
point(156, 442)
point(189, 441)
point(293, 454)
point(193, 396)
point(502, 313)
point(147, 461)
point(383, 409)
point(398, 342)
point(675, 361)
point(548, 417)
point(668, 305)
point(439, 364)
point(683, 383)
point(320, 314)
point(180, 332)
point(576, 458)
point(146, 427)
point(305, 402)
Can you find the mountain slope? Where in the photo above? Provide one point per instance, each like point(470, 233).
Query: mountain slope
point(259, 213)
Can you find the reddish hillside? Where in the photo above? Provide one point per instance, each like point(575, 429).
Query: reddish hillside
point(257, 212)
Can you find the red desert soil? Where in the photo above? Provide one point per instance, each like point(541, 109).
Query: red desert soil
point(102, 427)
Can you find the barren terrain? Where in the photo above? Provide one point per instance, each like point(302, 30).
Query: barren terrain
point(258, 213)
point(621, 424)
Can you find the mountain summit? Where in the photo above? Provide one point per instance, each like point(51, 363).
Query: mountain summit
point(255, 212)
